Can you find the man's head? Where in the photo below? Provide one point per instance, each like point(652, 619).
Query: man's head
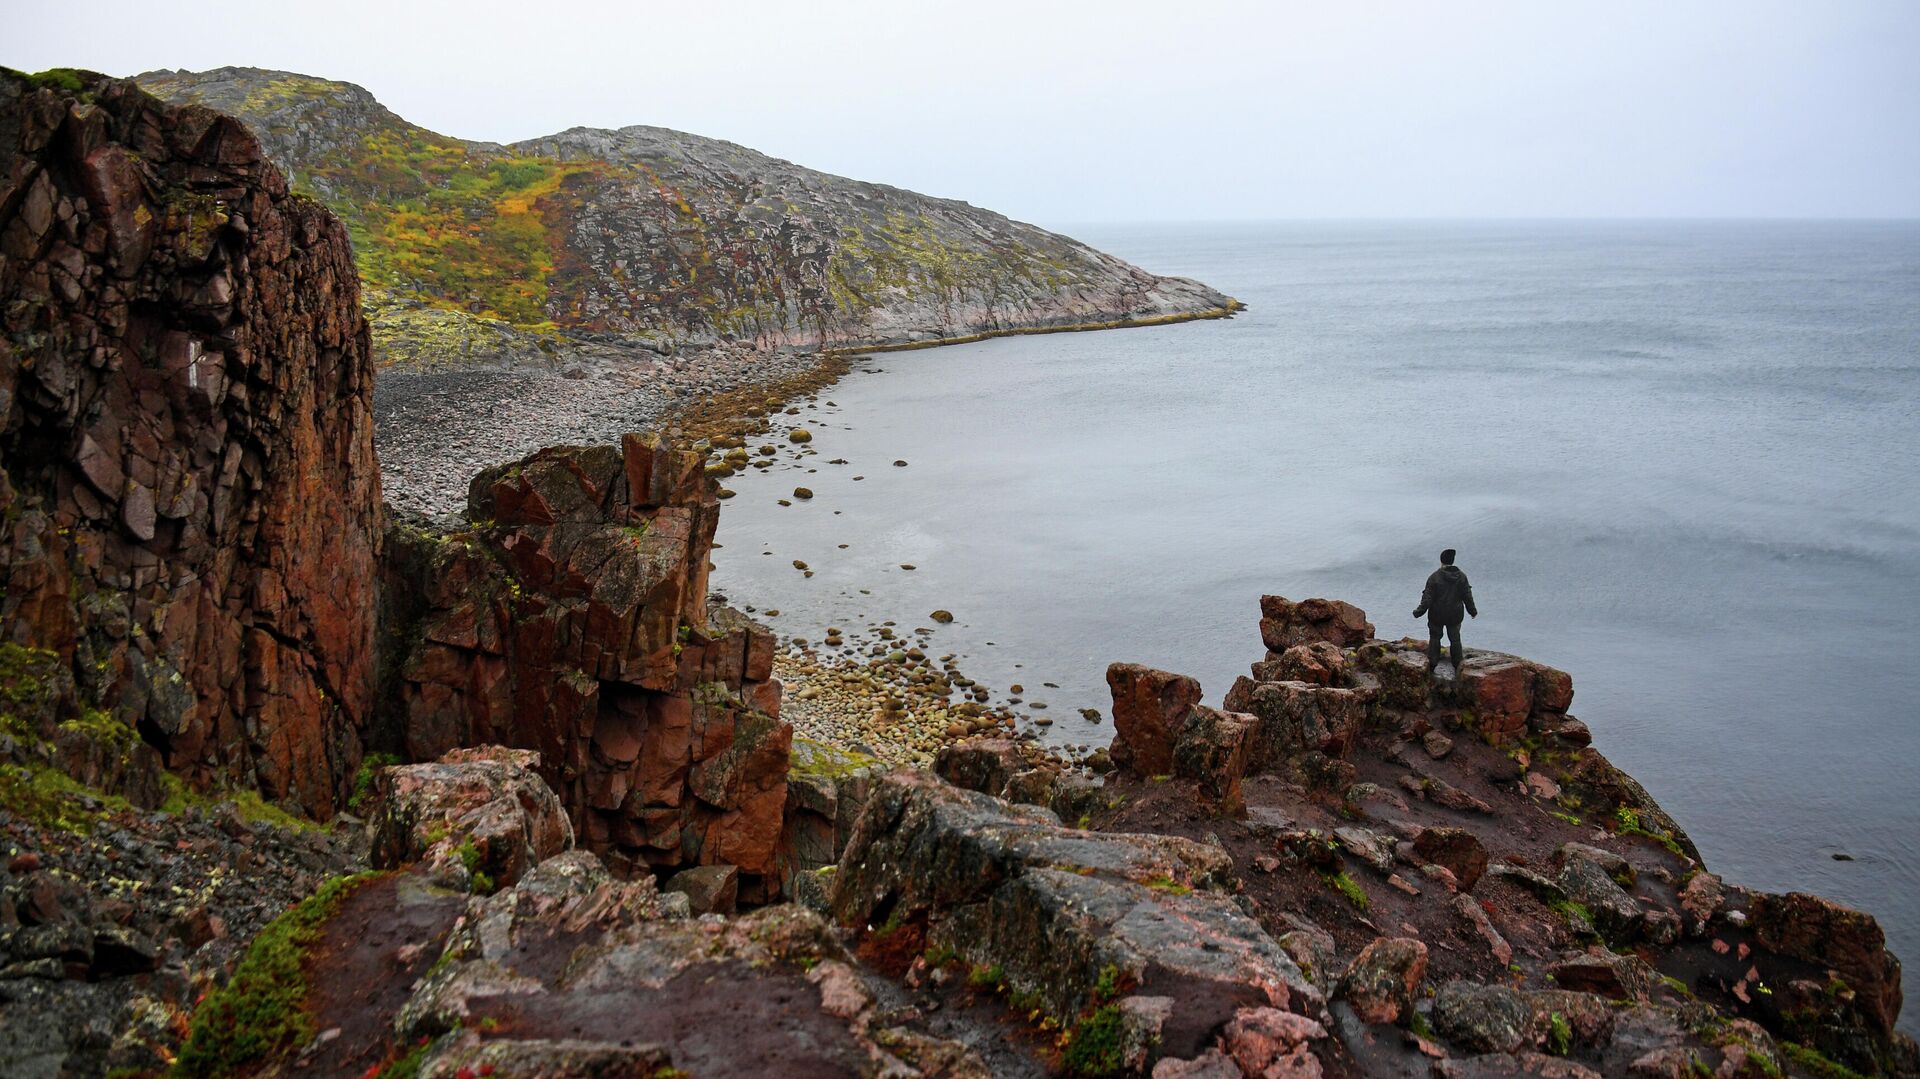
point(1446, 557)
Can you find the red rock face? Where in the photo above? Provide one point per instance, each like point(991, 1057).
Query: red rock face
point(1149, 708)
point(1284, 623)
point(192, 508)
point(573, 620)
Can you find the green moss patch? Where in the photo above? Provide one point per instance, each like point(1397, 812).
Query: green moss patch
point(1347, 887)
point(260, 1014)
point(1098, 1046)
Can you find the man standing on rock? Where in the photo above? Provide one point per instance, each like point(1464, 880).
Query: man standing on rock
point(1447, 596)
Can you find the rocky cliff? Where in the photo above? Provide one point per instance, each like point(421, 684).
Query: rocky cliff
point(645, 237)
point(572, 619)
point(191, 504)
point(195, 532)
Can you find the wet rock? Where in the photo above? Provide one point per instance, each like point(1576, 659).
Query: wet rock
point(1458, 849)
point(1031, 787)
point(546, 1058)
point(1268, 1041)
point(1383, 980)
point(1816, 930)
point(1313, 950)
point(1501, 691)
point(1214, 749)
point(482, 811)
point(1149, 708)
point(1701, 900)
point(1284, 623)
point(121, 950)
point(1401, 671)
point(1476, 916)
point(710, 889)
point(980, 764)
point(1370, 847)
point(1054, 907)
point(1512, 1066)
point(1612, 864)
point(1615, 977)
point(1482, 1018)
point(1588, 1016)
point(1319, 663)
point(1213, 1064)
point(1615, 913)
point(1299, 717)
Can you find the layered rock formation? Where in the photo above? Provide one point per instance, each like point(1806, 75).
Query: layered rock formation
point(590, 241)
point(194, 527)
point(191, 504)
point(1457, 859)
point(573, 620)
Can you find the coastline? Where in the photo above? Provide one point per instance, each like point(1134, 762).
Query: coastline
point(437, 425)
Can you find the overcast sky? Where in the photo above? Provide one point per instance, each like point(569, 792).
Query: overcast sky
point(1120, 111)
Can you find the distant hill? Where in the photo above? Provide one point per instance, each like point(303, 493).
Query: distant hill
point(655, 238)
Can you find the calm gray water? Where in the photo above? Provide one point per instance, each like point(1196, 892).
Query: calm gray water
point(1680, 460)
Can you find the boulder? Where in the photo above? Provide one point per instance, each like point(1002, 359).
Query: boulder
point(1615, 914)
point(1298, 717)
point(1284, 623)
point(1500, 690)
point(1213, 749)
point(1482, 1018)
point(479, 817)
point(1149, 708)
point(710, 889)
point(826, 786)
point(1458, 849)
point(1384, 979)
point(1615, 977)
point(1402, 671)
point(1701, 899)
point(1268, 1041)
point(979, 764)
point(1819, 931)
point(1319, 663)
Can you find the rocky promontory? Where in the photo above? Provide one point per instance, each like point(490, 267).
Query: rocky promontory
point(594, 243)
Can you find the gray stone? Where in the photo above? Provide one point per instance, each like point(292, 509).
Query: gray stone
point(1482, 1018)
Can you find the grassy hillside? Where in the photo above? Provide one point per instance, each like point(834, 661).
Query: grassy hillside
point(655, 238)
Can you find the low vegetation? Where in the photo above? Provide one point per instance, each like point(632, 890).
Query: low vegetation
point(260, 1014)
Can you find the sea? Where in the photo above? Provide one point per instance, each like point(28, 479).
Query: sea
point(1679, 459)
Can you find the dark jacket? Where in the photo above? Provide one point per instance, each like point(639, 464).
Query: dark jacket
point(1447, 595)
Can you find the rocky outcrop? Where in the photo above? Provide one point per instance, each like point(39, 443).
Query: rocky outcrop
point(191, 504)
point(1485, 877)
point(589, 241)
point(573, 620)
point(476, 819)
point(1075, 920)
